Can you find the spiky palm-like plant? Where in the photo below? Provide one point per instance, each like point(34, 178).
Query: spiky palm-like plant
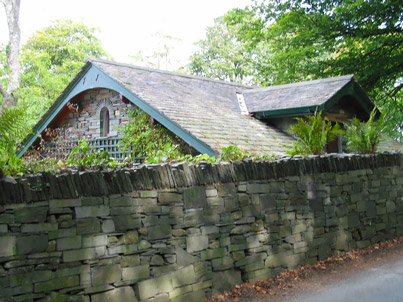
point(364, 137)
point(313, 133)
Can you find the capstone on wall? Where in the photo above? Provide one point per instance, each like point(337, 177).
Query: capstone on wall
point(185, 232)
point(85, 122)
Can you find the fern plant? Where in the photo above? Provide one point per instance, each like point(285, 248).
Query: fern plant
point(12, 131)
point(313, 133)
point(364, 137)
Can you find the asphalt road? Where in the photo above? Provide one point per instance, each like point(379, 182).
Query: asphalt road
point(381, 282)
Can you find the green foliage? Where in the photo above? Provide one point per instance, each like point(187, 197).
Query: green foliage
point(295, 40)
point(50, 59)
point(222, 55)
point(313, 133)
point(151, 140)
point(83, 156)
point(364, 137)
point(12, 131)
point(233, 153)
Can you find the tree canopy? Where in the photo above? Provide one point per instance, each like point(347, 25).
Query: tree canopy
point(294, 40)
point(50, 59)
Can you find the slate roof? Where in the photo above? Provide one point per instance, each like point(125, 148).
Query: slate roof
point(207, 109)
point(296, 95)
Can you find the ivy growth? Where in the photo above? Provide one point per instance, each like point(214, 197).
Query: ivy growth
point(145, 138)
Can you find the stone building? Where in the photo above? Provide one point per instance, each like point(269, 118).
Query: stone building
point(206, 114)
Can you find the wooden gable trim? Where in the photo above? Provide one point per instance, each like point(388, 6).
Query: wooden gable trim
point(351, 88)
point(92, 77)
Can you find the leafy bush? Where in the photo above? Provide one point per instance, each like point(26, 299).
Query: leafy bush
point(153, 141)
point(233, 153)
point(313, 133)
point(82, 156)
point(365, 137)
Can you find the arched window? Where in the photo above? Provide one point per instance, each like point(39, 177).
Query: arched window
point(104, 122)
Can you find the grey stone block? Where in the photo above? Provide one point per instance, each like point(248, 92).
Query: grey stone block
point(84, 254)
point(95, 240)
point(196, 243)
point(31, 244)
point(147, 288)
point(88, 226)
point(136, 273)
point(161, 231)
point(225, 281)
point(92, 211)
point(184, 276)
point(195, 198)
point(168, 197)
point(56, 284)
point(29, 215)
point(126, 222)
point(106, 274)
point(8, 246)
point(69, 243)
point(119, 294)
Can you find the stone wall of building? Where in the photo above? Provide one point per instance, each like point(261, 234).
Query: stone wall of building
point(86, 121)
point(185, 232)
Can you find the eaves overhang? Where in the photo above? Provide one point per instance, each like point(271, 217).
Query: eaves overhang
point(91, 77)
point(352, 88)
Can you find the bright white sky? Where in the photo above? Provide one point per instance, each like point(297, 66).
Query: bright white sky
point(127, 26)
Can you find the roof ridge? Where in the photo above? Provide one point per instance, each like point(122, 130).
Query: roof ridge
point(184, 75)
point(303, 83)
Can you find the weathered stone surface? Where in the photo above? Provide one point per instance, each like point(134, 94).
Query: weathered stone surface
point(211, 254)
point(178, 232)
point(120, 294)
point(31, 244)
point(225, 281)
point(159, 232)
point(136, 273)
point(30, 278)
point(126, 222)
point(69, 243)
point(195, 198)
point(196, 243)
point(92, 211)
point(57, 297)
point(64, 203)
point(83, 254)
point(183, 257)
point(108, 226)
point(8, 246)
point(227, 189)
point(132, 260)
point(55, 284)
point(184, 276)
point(88, 226)
point(29, 215)
point(106, 274)
point(130, 237)
point(168, 197)
point(147, 288)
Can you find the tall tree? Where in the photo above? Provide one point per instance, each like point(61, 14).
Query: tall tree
point(309, 39)
point(12, 9)
point(50, 59)
point(223, 54)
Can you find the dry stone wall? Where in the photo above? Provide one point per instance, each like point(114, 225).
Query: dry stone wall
point(185, 232)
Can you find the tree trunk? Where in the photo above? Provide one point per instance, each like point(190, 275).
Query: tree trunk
point(12, 8)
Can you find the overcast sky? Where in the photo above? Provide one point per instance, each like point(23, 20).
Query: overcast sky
point(127, 26)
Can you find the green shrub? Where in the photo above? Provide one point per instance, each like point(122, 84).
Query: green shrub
point(83, 157)
point(151, 140)
point(313, 133)
point(364, 137)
